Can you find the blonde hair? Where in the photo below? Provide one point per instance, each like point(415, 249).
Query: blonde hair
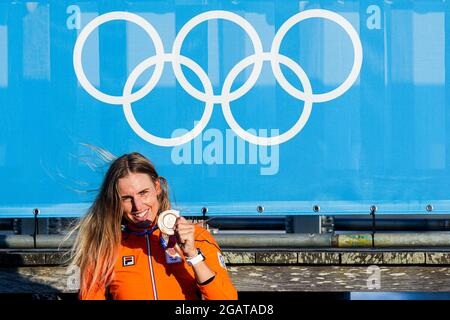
point(96, 246)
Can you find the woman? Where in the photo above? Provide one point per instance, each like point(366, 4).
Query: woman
point(139, 261)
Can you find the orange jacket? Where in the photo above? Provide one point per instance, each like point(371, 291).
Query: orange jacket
point(143, 273)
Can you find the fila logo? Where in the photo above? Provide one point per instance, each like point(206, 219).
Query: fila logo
point(128, 261)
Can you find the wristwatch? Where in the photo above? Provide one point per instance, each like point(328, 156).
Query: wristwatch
point(198, 258)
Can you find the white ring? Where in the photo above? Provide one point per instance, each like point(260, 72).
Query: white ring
point(244, 24)
point(357, 48)
point(269, 141)
point(167, 142)
point(78, 49)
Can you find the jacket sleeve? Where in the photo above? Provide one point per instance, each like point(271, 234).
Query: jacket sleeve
point(221, 287)
point(95, 294)
point(98, 292)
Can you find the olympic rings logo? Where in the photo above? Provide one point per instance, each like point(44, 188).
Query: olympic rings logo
point(227, 96)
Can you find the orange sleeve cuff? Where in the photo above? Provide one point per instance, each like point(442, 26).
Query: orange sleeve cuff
point(217, 290)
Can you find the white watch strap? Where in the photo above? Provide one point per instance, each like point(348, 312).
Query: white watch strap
point(198, 258)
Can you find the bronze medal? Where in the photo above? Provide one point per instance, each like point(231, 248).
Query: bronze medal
point(167, 220)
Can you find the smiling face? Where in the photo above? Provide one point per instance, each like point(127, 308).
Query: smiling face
point(139, 198)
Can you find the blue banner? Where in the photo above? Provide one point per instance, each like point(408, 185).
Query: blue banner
point(246, 107)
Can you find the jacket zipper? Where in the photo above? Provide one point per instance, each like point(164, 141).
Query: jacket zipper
point(151, 268)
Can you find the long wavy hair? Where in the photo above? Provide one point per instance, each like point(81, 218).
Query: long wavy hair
point(99, 232)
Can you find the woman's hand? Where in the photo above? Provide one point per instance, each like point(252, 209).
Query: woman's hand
point(184, 231)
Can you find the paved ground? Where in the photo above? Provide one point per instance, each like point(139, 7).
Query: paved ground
point(340, 278)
